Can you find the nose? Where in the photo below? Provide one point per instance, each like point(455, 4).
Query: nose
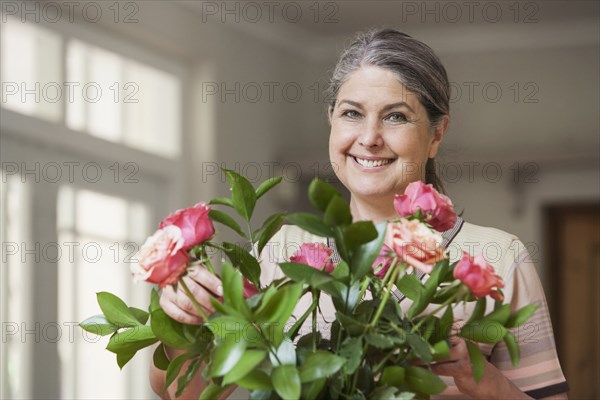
point(371, 136)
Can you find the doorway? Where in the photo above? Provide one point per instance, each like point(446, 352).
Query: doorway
point(573, 243)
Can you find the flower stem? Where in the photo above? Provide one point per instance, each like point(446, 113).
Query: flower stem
point(315, 299)
point(189, 293)
point(386, 295)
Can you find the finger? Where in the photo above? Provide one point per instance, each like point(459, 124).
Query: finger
point(447, 368)
point(201, 295)
point(203, 276)
point(173, 311)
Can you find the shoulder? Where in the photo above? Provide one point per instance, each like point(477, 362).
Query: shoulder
point(501, 249)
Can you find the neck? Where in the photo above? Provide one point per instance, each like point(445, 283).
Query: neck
point(376, 211)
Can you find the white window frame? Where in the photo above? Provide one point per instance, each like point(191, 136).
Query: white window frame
point(18, 128)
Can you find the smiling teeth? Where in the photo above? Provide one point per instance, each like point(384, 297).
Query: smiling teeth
point(372, 163)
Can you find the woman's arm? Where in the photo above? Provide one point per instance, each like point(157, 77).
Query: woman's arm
point(158, 379)
point(178, 306)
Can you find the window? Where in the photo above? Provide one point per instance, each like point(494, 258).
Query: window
point(103, 93)
point(31, 70)
point(89, 91)
point(15, 283)
point(103, 233)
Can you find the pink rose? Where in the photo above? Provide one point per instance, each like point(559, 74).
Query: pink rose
point(383, 262)
point(249, 289)
point(196, 227)
point(317, 255)
point(415, 244)
point(478, 275)
point(437, 209)
point(162, 259)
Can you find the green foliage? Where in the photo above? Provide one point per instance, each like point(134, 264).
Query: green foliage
point(372, 347)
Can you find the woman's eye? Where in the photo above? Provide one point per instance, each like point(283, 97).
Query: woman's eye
point(396, 117)
point(350, 114)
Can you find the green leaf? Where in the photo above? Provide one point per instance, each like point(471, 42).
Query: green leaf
point(269, 229)
point(247, 363)
point(286, 354)
point(483, 331)
point(441, 351)
point(131, 339)
point(446, 323)
point(267, 185)
point(337, 212)
point(167, 330)
point(390, 393)
point(226, 220)
point(116, 311)
point(320, 194)
point(280, 305)
point(184, 379)
point(364, 255)
point(247, 264)
point(227, 309)
point(358, 233)
point(256, 380)
point(521, 316)
point(320, 364)
point(154, 301)
point(420, 347)
point(224, 201)
point(410, 286)
point(98, 325)
point(423, 381)
point(212, 392)
point(513, 348)
point(286, 381)
point(341, 272)
point(479, 310)
point(381, 341)
point(500, 314)
point(310, 223)
point(160, 358)
point(233, 287)
point(124, 357)
point(243, 196)
point(352, 351)
point(226, 355)
point(140, 315)
point(175, 367)
point(305, 273)
point(312, 389)
point(393, 376)
point(351, 325)
point(228, 326)
point(477, 361)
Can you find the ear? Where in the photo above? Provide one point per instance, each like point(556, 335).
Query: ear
point(329, 114)
point(438, 134)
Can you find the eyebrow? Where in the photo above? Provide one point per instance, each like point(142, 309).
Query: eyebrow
point(385, 108)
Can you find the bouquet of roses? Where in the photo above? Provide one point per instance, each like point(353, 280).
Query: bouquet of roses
point(374, 345)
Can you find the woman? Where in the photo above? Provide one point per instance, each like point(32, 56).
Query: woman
point(389, 112)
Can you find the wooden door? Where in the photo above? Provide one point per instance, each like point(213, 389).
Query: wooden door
point(573, 241)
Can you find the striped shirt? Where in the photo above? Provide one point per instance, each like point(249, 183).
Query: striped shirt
point(538, 374)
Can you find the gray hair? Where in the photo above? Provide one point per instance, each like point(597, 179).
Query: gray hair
point(416, 65)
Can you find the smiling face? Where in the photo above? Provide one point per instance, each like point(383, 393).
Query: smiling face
point(381, 136)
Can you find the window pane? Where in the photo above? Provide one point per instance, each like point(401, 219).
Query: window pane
point(31, 70)
point(105, 232)
point(15, 289)
point(122, 100)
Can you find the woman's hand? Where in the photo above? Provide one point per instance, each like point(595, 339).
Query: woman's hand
point(203, 285)
point(493, 384)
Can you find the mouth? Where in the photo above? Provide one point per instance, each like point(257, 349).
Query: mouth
point(372, 162)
